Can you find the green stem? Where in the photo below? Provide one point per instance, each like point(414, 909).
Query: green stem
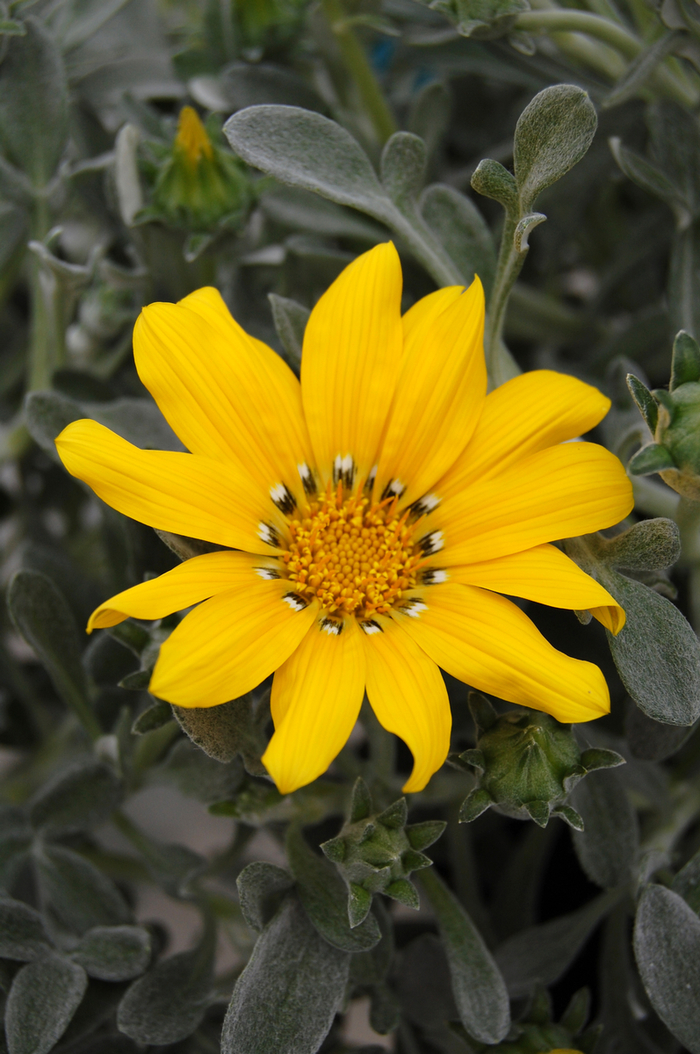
point(499, 362)
point(611, 33)
point(40, 365)
point(360, 69)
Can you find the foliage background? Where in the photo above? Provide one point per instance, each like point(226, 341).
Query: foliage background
point(594, 935)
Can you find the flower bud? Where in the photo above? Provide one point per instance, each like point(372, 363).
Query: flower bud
point(376, 852)
point(526, 764)
point(674, 418)
point(199, 185)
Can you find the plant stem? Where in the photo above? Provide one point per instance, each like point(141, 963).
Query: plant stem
point(360, 69)
point(499, 363)
point(40, 366)
point(611, 33)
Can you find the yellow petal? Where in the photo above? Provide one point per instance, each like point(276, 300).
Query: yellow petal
point(486, 641)
point(567, 490)
point(352, 350)
point(546, 575)
point(225, 394)
point(187, 584)
point(408, 695)
point(419, 319)
point(316, 699)
point(182, 493)
point(232, 642)
point(526, 414)
point(438, 399)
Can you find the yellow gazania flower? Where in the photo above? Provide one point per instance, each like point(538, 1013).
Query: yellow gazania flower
point(376, 510)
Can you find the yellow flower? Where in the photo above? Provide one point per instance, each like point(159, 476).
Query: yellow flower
point(375, 512)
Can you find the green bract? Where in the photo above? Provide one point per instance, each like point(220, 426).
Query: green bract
point(376, 852)
point(526, 765)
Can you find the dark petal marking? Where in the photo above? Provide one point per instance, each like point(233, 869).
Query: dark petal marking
point(329, 625)
point(370, 627)
point(295, 602)
point(283, 498)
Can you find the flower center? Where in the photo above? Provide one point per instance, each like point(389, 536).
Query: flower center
point(352, 556)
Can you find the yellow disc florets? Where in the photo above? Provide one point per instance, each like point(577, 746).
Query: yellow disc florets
point(352, 556)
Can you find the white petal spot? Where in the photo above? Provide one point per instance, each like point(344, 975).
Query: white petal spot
point(371, 627)
point(432, 577)
point(268, 573)
point(413, 608)
point(295, 602)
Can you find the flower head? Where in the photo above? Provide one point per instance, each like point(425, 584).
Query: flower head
point(199, 184)
point(372, 514)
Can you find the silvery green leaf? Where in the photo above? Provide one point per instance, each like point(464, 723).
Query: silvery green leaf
point(113, 953)
point(22, 932)
point(75, 894)
point(608, 846)
point(423, 982)
point(155, 716)
point(225, 731)
point(521, 234)
point(687, 883)
point(651, 740)
point(552, 135)
point(44, 996)
point(462, 231)
point(667, 948)
point(290, 320)
point(650, 545)
point(429, 115)
point(539, 955)
point(33, 103)
point(656, 653)
point(307, 150)
point(403, 164)
point(640, 69)
point(82, 796)
point(325, 897)
point(137, 420)
point(41, 614)
point(650, 459)
point(168, 1003)
point(261, 889)
point(478, 987)
point(288, 994)
point(646, 175)
point(494, 181)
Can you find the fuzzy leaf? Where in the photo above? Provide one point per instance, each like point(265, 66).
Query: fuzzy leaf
point(82, 796)
point(233, 728)
point(651, 740)
point(290, 320)
point(33, 103)
point(77, 895)
point(261, 888)
point(403, 164)
point(667, 948)
point(404, 892)
point(44, 996)
point(608, 846)
point(540, 955)
point(155, 716)
point(462, 231)
point(307, 150)
point(477, 984)
point(168, 1003)
point(359, 903)
point(494, 181)
point(22, 933)
point(288, 994)
point(656, 653)
point(41, 614)
point(324, 897)
point(113, 953)
point(650, 545)
point(552, 135)
point(474, 804)
point(687, 883)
